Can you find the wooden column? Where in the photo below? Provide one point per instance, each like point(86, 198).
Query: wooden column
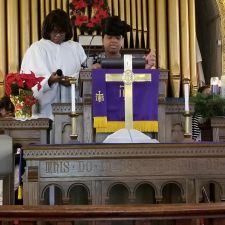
point(31, 186)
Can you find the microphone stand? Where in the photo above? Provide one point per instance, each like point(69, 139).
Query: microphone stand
point(88, 51)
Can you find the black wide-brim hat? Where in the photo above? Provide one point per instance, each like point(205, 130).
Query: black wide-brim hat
point(113, 26)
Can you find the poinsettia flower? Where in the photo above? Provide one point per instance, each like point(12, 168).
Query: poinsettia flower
point(95, 20)
point(102, 13)
point(80, 20)
point(99, 3)
point(79, 4)
point(90, 25)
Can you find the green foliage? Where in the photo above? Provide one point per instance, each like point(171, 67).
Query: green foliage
point(15, 89)
point(209, 106)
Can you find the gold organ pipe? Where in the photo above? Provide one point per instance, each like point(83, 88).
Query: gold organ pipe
point(65, 5)
point(53, 6)
point(139, 16)
point(162, 35)
point(128, 20)
point(42, 11)
point(121, 10)
point(192, 33)
point(152, 24)
point(134, 24)
point(185, 53)
point(24, 26)
point(174, 46)
point(47, 7)
point(115, 8)
point(58, 4)
point(2, 43)
point(122, 7)
point(145, 26)
point(110, 6)
point(34, 21)
point(13, 37)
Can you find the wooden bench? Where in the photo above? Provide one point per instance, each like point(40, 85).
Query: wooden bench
point(183, 213)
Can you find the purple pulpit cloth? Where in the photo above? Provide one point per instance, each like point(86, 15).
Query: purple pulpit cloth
point(108, 101)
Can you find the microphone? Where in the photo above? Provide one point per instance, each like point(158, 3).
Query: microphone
point(59, 72)
point(118, 63)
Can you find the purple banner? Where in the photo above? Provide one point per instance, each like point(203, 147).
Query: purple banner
point(108, 99)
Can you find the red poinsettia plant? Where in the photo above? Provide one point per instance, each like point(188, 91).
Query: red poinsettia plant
point(18, 86)
point(88, 14)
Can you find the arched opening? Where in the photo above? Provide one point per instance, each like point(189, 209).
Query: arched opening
point(145, 194)
point(78, 195)
point(118, 194)
point(171, 193)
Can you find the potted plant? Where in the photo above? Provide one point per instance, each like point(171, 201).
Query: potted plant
point(208, 106)
point(18, 86)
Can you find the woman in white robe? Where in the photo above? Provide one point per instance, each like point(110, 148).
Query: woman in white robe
point(54, 51)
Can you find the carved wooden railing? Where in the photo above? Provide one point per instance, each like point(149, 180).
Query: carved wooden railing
point(114, 212)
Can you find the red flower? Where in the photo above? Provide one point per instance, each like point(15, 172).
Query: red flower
point(81, 20)
point(80, 4)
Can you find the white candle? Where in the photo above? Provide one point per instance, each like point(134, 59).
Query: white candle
point(214, 81)
point(186, 97)
point(73, 100)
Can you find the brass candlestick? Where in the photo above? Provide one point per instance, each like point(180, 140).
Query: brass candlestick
point(187, 131)
point(73, 134)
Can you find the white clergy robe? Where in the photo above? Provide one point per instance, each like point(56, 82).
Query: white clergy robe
point(43, 58)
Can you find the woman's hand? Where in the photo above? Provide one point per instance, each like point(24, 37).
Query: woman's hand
point(65, 81)
point(150, 60)
point(54, 78)
point(96, 66)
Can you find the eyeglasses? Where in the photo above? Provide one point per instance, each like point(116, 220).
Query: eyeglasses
point(60, 32)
